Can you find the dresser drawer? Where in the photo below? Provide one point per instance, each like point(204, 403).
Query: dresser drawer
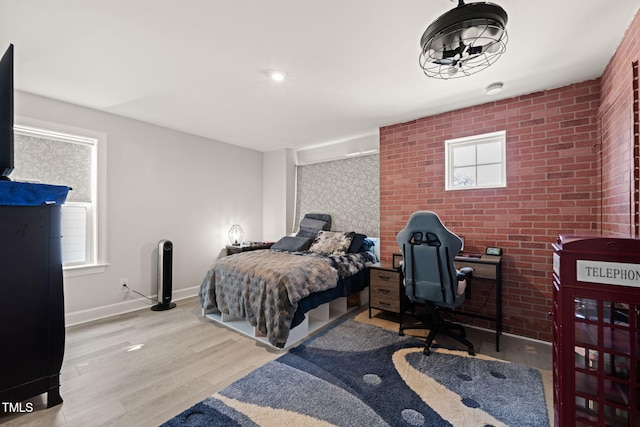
point(385, 304)
point(384, 290)
point(384, 277)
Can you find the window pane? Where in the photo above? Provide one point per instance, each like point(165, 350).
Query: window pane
point(476, 161)
point(74, 227)
point(464, 156)
point(464, 177)
point(490, 152)
point(489, 175)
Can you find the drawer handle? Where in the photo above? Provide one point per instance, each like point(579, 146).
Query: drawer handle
point(386, 304)
point(383, 291)
point(381, 277)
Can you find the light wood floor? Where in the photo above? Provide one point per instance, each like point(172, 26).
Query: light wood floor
point(143, 368)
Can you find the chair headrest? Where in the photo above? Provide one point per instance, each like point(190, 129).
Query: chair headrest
point(429, 225)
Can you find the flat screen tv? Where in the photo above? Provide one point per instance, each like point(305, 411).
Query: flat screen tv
point(6, 114)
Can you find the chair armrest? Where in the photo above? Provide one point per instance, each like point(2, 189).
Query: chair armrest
point(465, 273)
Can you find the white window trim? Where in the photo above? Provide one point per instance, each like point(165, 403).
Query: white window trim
point(450, 144)
point(99, 262)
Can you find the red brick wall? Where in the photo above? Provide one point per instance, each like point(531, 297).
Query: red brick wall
point(552, 188)
point(616, 118)
point(570, 154)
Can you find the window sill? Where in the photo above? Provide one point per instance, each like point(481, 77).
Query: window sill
point(83, 270)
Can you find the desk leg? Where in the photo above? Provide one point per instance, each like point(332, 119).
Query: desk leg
point(402, 305)
point(498, 307)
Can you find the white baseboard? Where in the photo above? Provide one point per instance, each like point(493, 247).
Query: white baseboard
point(131, 304)
point(521, 337)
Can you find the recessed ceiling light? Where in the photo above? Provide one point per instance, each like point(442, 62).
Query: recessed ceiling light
point(494, 88)
point(278, 76)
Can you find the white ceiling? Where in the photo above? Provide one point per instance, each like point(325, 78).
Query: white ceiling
point(201, 66)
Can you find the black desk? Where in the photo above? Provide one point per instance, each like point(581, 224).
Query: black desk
point(487, 267)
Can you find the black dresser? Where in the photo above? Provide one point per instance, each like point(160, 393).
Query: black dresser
point(32, 329)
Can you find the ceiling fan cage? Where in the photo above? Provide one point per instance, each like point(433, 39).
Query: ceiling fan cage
point(464, 41)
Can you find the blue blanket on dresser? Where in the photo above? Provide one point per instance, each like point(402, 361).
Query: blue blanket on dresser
point(28, 194)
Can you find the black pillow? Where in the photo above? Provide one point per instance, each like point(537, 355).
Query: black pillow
point(291, 243)
point(356, 243)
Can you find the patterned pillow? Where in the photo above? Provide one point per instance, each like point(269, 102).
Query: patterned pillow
point(332, 242)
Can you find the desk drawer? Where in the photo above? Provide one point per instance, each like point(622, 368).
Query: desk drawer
point(483, 271)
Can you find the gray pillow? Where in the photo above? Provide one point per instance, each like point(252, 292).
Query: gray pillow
point(291, 243)
point(309, 227)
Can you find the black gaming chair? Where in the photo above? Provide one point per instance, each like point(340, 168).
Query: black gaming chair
point(430, 276)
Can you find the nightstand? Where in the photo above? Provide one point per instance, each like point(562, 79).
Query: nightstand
point(245, 247)
point(384, 288)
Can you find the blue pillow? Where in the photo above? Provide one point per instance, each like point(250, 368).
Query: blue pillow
point(368, 245)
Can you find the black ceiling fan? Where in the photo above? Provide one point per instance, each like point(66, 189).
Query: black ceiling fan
point(464, 40)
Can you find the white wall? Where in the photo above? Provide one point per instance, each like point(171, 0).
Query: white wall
point(279, 193)
point(161, 184)
point(357, 146)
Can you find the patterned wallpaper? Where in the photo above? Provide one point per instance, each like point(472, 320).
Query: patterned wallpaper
point(348, 190)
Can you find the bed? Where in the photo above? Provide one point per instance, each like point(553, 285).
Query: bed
point(282, 294)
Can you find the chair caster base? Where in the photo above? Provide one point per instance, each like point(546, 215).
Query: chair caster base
point(427, 352)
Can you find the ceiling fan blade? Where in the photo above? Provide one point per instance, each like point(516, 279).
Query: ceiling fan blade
point(446, 61)
point(450, 57)
point(474, 50)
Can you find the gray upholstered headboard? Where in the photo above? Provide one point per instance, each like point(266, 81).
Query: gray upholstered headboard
point(308, 228)
point(311, 223)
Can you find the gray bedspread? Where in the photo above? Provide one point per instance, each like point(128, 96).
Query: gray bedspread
point(265, 286)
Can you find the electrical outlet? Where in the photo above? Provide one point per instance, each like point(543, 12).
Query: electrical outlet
point(124, 285)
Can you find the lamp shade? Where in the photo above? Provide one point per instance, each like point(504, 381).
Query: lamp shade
point(464, 40)
point(236, 234)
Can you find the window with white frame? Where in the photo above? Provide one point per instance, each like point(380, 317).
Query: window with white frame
point(477, 161)
point(54, 157)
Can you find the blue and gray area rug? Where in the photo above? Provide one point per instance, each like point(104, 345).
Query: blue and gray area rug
point(355, 374)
